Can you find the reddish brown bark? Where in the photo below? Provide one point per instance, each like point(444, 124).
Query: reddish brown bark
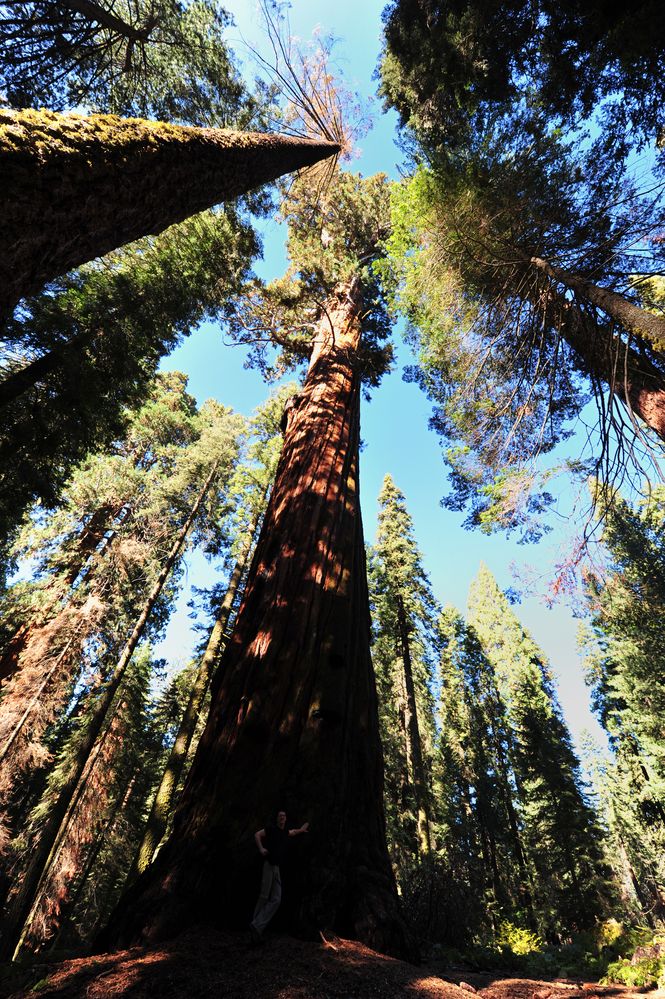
point(162, 805)
point(98, 530)
point(77, 187)
point(293, 721)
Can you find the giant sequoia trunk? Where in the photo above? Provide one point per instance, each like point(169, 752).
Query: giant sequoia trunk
point(74, 188)
point(293, 721)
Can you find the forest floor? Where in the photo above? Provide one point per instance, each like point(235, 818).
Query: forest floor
point(211, 965)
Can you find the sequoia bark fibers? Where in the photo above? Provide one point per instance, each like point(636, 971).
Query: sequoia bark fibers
point(293, 721)
point(74, 187)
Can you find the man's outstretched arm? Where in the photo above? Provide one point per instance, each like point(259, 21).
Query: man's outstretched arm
point(296, 832)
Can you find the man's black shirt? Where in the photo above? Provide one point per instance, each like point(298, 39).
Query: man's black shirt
point(276, 842)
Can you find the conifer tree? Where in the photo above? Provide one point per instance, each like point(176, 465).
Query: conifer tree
point(627, 621)
point(187, 494)
point(404, 649)
point(623, 644)
point(119, 783)
point(93, 558)
point(482, 829)
point(528, 270)
point(508, 350)
point(95, 343)
point(635, 837)
point(447, 64)
point(167, 62)
point(296, 704)
point(561, 833)
point(249, 487)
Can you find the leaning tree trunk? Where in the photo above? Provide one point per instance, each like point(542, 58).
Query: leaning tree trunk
point(641, 322)
point(22, 907)
point(414, 752)
point(632, 376)
point(16, 383)
point(93, 12)
point(74, 188)
point(163, 801)
point(293, 720)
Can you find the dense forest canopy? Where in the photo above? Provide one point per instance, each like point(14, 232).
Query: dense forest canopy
point(420, 751)
point(531, 241)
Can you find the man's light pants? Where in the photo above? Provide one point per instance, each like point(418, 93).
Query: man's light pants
point(269, 897)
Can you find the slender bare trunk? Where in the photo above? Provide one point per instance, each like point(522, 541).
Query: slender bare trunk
point(414, 753)
point(77, 187)
point(52, 835)
point(294, 719)
point(93, 12)
point(163, 802)
point(634, 319)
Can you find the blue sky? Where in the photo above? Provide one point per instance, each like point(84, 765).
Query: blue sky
point(395, 422)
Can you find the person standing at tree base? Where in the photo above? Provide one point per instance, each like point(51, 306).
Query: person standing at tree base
point(272, 843)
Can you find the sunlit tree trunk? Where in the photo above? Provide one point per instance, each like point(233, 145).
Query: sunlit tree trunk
point(74, 188)
point(95, 537)
point(630, 375)
point(293, 721)
point(645, 324)
point(25, 900)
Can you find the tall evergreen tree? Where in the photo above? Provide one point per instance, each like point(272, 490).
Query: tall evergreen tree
point(186, 494)
point(561, 833)
point(295, 707)
point(623, 646)
point(404, 615)
point(509, 347)
point(636, 837)
point(92, 345)
point(92, 559)
point(446, 63)
point(627, 621)
point(481, 826)
point(106, 811)
point(525, 297)
point(250, 487)
point(166, 61)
